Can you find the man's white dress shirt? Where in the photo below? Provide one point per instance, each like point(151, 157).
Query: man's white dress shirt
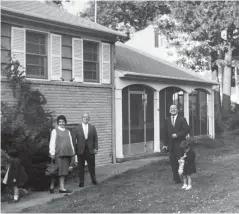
point(85, 129)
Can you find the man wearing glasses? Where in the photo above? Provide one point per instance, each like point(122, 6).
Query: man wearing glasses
point(86, 148)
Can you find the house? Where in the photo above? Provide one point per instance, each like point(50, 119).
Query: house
point(79, 67)
point(69, 59)
point(145, 87)
point(156, 44)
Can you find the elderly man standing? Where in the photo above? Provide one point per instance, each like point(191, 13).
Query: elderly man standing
point(176, 129)
point(86, 148)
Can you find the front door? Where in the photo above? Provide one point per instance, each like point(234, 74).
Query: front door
point(137, 122)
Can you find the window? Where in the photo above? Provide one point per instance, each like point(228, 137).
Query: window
point(91, 61)
point(36, 55)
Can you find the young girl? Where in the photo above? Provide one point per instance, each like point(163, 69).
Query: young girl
point(15, 175)
point(189, 165)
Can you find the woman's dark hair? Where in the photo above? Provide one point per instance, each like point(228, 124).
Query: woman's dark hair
point(61, 117)
point(184, 144)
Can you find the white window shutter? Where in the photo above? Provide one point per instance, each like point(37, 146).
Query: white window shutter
point(56, 67)
point(106, 65)
point(77, 59)
point(18, 46)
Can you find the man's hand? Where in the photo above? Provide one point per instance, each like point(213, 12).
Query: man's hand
point(95, 151)
point(174, 136)
point(14, 180)
point(52, 156)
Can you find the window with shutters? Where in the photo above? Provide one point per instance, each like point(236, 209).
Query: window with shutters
point(91, 61)
point(36, 55)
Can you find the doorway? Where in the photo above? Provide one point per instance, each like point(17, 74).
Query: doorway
point(138, 129)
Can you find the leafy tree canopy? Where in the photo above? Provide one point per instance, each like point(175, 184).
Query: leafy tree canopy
point(202, 22)
point(133, 15)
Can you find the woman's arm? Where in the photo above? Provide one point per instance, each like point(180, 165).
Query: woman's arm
point(71, 142)
point(52, 145)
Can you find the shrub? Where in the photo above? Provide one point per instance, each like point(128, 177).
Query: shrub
point(26, 126)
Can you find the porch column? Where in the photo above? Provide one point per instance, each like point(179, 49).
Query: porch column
point(210, 114)
point(118, 124)
point(156, 122)
point(220, 79)
point(213, 114)
point(186, 106)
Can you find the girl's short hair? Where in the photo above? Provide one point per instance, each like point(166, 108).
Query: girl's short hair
point(184, 144)
point(61, 117)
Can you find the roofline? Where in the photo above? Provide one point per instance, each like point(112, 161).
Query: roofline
point(57, 21)
point(170, 64)
point(135, 74)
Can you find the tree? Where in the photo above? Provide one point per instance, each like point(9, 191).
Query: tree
point(203, 23)
point(126, 16)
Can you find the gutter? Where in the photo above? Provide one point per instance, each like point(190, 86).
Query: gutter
point(113, 103)
point(134, 74)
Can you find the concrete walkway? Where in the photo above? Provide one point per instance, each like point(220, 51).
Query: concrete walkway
point(102, 173)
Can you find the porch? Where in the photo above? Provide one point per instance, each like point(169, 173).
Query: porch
point(142, 102)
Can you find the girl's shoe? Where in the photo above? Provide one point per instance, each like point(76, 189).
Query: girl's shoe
point(184, 186)
point(188, 187)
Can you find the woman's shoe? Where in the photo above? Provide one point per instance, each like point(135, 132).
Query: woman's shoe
point(189, 187)
point(64, 191)
point(51, 190)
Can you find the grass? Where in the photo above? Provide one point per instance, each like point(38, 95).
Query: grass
point(150, 189)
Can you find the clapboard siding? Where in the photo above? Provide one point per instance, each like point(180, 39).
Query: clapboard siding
point(73, 101)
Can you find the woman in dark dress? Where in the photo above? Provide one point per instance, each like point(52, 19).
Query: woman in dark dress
point(189, 165)
point(61, 150)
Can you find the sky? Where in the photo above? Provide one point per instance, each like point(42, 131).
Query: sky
point(75, 6)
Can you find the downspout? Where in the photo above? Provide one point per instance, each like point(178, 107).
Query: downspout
point(113, 57)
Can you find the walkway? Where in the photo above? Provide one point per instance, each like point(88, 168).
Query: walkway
point(102, 172)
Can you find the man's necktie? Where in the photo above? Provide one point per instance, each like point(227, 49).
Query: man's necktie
point(173, 120)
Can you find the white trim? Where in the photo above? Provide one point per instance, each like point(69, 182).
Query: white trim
point(56, 55)
point(80, 59)
point(165, 77)
point(106, 81)
point(18, 50)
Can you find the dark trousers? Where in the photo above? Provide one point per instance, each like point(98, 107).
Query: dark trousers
point(90, 159)
point(175, 155)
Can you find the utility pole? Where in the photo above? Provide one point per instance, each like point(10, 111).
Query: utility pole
point(95, 11)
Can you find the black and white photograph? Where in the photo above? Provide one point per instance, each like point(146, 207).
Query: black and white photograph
point(119, 106)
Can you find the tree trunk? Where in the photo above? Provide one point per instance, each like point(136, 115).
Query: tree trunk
point(219, 78)
point(217, 103)
point(226, 100)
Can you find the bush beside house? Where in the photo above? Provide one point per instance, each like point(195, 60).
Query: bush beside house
point(26, 126)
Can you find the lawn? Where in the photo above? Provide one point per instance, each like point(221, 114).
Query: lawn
point(150, 189)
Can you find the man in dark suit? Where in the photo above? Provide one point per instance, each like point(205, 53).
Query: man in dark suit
point(176, 129)
point(86, 148)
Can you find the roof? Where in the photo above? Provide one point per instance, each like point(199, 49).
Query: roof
point(137, 63)
point(48, 12)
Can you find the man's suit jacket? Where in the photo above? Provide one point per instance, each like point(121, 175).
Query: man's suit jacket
point(92, 142)
point(180, 128)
